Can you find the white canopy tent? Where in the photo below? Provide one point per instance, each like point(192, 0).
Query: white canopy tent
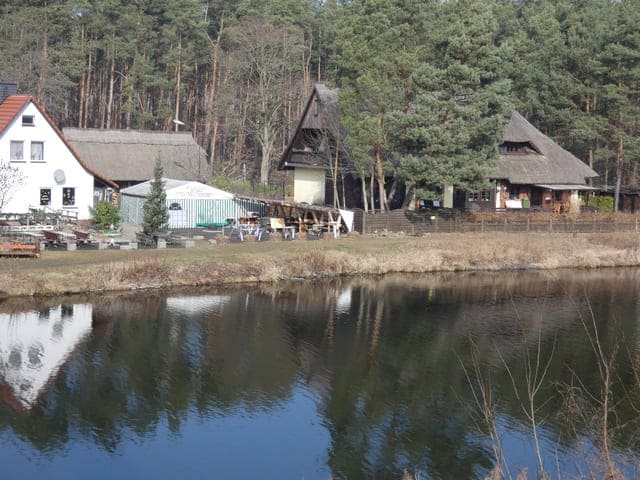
point(190, 204)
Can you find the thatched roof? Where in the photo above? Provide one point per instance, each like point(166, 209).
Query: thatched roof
point(130, 155)
point(551, 164)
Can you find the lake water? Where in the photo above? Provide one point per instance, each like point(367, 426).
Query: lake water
point(356, 379)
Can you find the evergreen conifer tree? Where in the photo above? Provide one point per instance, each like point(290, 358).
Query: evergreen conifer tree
point(450, 133)
point(156, 216)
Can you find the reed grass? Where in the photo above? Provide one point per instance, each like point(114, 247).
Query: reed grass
point(210, 264)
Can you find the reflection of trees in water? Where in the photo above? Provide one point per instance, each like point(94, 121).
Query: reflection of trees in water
point(145, 367)
point(391, 387)
point(383, 361)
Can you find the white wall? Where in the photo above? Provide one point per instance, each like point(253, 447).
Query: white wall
point(41, 174)
point(309, 185)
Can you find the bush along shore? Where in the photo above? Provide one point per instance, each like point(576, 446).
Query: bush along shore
point(58, 272)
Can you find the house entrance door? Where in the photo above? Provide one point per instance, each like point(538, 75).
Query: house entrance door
point(536, 197)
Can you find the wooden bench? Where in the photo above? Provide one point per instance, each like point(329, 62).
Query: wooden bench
point(19, 250)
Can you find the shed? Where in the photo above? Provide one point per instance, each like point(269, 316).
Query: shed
point(190, 204)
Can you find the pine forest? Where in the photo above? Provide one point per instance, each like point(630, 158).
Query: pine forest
point(425, 85)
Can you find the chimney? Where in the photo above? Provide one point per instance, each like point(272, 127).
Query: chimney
point(6, 89)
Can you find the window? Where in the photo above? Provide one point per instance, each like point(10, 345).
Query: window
point(486, 195)
point(472, 197)
point(17, 151)
point(27, 121)
point(37, 151)
point(68, 196)
point(45, 196)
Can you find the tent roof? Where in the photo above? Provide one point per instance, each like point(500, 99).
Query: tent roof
point(179, 189)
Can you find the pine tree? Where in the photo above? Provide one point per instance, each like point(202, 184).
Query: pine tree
point(450, 133)
point(379, 44)
point(156, 216)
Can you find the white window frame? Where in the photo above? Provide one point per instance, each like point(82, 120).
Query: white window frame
point(13, 144)
point(28, 121)
point(41, 159)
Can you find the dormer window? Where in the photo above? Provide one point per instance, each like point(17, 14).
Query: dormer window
point(517, 148)
point(27, 121)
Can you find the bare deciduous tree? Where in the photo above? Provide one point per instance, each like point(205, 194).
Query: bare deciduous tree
point(10, 179)
point(267, 58)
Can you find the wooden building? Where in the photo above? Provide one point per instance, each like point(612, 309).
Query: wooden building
point(314, 160)
point(532, 171)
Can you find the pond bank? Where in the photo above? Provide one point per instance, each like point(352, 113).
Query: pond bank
point(61, 272)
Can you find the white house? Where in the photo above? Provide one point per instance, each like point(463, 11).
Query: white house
point(54, 175)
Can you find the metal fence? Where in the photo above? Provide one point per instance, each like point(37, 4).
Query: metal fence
point(418, 223)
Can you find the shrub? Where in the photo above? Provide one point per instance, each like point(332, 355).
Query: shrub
point(105, 214)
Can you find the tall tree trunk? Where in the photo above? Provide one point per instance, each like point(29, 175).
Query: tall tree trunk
point(380, 170)
point(336, 166)
point(392, 193)
point(267, 146)
point(372, 190)
point(87, 92)
point(590, 148)
point(211, 118)
point(619, 156)
point(178, 80)
point(44, 59)
point(112, 81)
point(379, 173)
point(365, 202)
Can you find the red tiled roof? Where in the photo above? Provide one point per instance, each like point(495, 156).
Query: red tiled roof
point(14, 104)
point(10, 108)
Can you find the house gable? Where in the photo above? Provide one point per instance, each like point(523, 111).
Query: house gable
point(54, 175)
point(315, 136)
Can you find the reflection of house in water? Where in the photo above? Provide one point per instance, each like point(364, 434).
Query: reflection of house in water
point(343, 303)
point(33, 346)
point(197, 304)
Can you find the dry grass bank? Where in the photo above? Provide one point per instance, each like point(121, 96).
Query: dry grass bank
point(59, 272)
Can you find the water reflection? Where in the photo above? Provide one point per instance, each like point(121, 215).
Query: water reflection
point(33, 346)
point(356, 379)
